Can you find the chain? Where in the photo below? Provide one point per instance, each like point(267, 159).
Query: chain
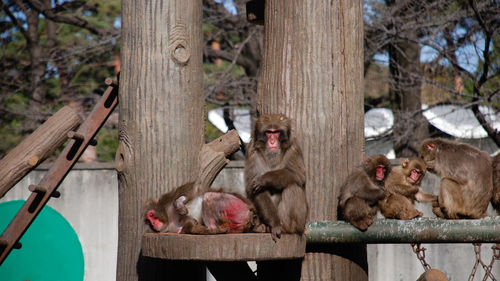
point(420, 252)
point(479, 261)
point(494, 257)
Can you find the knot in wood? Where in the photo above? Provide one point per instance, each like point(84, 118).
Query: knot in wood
point(121, 158)
point(179, 49)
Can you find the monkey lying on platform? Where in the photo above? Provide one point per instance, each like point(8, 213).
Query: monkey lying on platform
point(213, 212)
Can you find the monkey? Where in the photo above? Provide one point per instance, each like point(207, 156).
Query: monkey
point(466, 178)
point(495, 199)
point(402, 188)
point(212, 212)
point(275, 178)
point(362, 190)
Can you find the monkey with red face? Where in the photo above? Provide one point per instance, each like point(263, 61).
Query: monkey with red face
point(362, 190)
point(402, 188)
point(212, 212)
point(275, 178)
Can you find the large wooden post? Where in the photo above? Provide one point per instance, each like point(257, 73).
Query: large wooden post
point(312, 71)
point(161, 120)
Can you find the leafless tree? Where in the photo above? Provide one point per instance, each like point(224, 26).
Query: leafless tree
point(402, 29)
point(239, 43)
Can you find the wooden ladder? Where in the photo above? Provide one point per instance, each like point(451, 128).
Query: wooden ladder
point(47, 187)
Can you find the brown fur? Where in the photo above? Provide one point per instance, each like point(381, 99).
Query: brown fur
point(466, 178)
point(401, 192)
point(174, 213)
point(361, 192)
point(495, 199)
point(164, 208)
point(275, 181)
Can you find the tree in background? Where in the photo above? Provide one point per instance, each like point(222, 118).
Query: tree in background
point(56, 52)
point(53, 53)
point(457, 33)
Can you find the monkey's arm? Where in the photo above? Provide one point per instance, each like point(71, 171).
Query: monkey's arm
point(425, 197)
point(406, 190)
point(293, 172)
point(371, 193)
point(277, 179)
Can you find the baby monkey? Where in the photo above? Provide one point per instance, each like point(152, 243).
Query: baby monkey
point(402, 188)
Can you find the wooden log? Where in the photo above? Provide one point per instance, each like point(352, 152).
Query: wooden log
point(212, 158)
point(36, 147)
point(433, 275)
point(223, 247)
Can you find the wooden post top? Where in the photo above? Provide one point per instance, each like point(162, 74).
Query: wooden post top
point(223, 247)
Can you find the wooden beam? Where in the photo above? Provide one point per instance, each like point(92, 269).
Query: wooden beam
point(223, 247)
point(36, 147)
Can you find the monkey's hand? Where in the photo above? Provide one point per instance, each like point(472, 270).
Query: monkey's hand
point(258, 184)
point(276, 232)
point(180, 206)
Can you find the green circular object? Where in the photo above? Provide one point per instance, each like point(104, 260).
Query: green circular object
point(50, 248)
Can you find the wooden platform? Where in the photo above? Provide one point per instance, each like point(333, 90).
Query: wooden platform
point(223, 247)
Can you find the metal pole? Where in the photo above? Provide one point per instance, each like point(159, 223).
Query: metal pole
point(420, 230)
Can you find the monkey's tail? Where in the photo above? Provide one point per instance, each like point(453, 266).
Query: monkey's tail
point(495, 199)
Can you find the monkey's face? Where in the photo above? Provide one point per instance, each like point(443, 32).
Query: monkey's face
point(154, 216)
point(377, 167)
point(415, 176)
point(153, 219)
point(380, 172)
point(414, 170)
point(272, 137)
point(272, 132)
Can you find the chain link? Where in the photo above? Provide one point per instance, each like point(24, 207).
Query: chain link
point(487, 268)
point(420, 252)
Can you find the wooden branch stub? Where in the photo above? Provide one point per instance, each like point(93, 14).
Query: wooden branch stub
point(212, 158)
point(223, 247)
point(36, 147)
point(76, 136)
point(228, 143)
point(33, 161)
point(37, 188)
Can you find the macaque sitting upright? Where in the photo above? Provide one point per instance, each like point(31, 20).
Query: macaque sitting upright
point(466, 178)
point(212, 212)
point(402, 188)
point(275, 178)
point(362, 190)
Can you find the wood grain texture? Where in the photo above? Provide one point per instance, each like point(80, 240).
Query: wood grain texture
point(36, 147)
point(161, 127)
point(312, 71)
point(223, 247)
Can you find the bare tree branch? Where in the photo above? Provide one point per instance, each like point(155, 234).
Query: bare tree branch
point(76, 21)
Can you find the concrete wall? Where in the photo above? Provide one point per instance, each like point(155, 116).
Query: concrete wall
point(89, 202)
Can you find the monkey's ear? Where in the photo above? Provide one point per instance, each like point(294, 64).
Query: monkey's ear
point(150, 214)
point(431, 146)
point(405, 162)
